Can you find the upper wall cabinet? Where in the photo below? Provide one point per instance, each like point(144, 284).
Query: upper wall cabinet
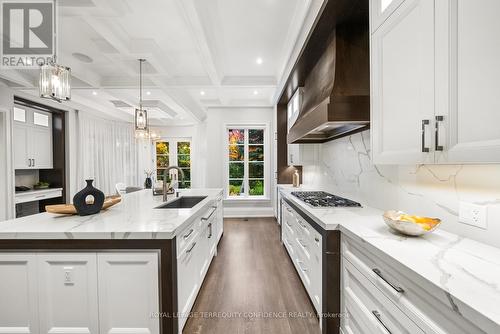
point(402, 74)
point(467, 74)
point(434, 65)
point(32, 139)
point(380, 11)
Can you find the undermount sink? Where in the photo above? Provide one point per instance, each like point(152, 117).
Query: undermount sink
point(183, 202)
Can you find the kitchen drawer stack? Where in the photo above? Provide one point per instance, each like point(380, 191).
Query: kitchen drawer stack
point(304, 245)
point(196, 247)
point(380, 296)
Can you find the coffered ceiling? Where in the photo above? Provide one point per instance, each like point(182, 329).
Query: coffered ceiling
point(200, 53)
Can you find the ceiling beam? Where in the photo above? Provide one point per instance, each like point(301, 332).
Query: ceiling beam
point(188, 9)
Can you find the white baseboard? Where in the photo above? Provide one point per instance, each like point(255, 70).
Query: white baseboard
point(244, 212)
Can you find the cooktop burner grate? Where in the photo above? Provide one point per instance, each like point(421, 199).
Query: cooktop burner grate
point(324, 199)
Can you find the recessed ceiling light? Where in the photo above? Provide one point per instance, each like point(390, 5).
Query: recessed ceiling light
point(82, 57)
point(255, 92)
point(94, 93)
point(202, 93)
point(259, 60)
point(148, 93)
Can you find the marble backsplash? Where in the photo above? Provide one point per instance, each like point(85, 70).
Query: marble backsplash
point(344, 166)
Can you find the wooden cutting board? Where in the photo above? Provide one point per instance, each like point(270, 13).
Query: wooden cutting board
point(69, 209)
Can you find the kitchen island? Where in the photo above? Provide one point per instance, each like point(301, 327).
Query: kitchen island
point(132, 268)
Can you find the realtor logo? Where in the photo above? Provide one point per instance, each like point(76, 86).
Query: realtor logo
point(27, 33)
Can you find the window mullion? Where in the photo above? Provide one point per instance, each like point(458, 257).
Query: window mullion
point(247, 184)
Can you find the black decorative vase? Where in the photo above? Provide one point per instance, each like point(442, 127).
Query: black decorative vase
point(148, 183)
point(84, 208)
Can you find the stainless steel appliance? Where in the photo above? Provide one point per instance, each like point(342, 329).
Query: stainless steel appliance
point(324, 199)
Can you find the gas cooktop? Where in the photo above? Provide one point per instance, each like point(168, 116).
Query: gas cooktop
point(323, 199)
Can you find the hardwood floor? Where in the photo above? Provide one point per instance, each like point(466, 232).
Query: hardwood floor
point(251, 277)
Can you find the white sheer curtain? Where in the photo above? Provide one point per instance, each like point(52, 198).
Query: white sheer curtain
point(108, 152)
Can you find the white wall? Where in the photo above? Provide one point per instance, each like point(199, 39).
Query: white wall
point(345, 167)
point(215, 149)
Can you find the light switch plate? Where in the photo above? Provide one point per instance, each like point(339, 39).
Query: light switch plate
point(473, 214)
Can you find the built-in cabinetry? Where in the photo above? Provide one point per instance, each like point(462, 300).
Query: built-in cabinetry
point(32, 139)
point(79, 292)
point(196, 247)
point(379, 296)
point(298, 154)
point(434, 68)
point(304, 245)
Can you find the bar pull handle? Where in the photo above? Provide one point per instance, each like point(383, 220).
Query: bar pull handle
point(210, 230)
point(188, 234)
point(379, 319)
point(436, 133)
point(210, 215)
point(395, 287)
point(191, 248)
point(425, 122)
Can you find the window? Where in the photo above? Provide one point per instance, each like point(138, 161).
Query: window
point(19, 115)
point(246, 162)
point(174, 152)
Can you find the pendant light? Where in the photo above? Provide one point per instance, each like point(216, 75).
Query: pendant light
point(141, 115)
point(55, 79)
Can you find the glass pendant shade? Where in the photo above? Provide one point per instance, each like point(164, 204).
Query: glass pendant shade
point(141, 123)
point(55, 82)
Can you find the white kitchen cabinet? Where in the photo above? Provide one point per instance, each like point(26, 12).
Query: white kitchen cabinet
point(137, 275)
point(374, 282)
point(434, 70)
point(468, 68)
point(18, 293)
point(380, 11)
point(32, 139)
point(302, 154)
point(68, 301)
point(195, 257)
point(304, 245)
point(402, 71)
point(371, 311)
point(298, 154)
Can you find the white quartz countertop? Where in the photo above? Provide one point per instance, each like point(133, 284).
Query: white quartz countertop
point(134, 218)
point(467, 271)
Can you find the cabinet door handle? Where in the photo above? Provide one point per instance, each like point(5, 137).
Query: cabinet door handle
point(395, 287)
point(188, 234)
point(316, 239)
point(436, 133)
point(191, 248)
point(34, 163)
point(29, 162)
point(210, 215)
point(379, 319)
point(210, 230)
point(424, 123)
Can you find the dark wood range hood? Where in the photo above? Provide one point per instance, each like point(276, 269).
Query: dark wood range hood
point(334, 70)
point(336, 100)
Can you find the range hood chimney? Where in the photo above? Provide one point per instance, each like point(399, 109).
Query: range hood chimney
point(336, 100)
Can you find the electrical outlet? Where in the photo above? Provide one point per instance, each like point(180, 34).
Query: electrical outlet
point(68, 276)
point(473, 214)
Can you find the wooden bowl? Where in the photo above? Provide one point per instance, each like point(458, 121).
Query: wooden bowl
point(410, 225)
point(69, 209)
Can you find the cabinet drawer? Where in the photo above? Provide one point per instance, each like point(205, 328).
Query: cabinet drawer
point(418, 300)
point(37, 196)
point(370, 310)
point(187, 235)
